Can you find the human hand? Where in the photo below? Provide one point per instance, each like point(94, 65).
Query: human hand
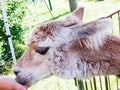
point(8, 83)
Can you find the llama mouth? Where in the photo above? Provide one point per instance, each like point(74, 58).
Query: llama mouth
point(23, 81)
point(29, 80)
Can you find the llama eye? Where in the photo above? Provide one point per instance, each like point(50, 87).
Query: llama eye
point(42, 50)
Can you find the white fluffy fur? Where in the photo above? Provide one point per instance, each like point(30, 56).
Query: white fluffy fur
point(100, 29)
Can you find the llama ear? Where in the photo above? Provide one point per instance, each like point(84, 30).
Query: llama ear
point(91, 35)
point(75, 18)
point(78, 13)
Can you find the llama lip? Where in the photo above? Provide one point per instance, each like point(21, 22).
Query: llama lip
point(23, 81)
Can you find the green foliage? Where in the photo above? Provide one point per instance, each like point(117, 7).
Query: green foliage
point(95, 0)
point(116, 0)
point(5, 67)
point(15, 13)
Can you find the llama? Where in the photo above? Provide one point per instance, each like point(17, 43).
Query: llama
point(70, 49)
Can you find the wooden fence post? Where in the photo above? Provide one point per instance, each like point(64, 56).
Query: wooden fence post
point(80, 85)
point(73, 5)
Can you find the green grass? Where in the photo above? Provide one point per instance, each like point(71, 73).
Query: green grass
point(54, 83)
point(38, 12)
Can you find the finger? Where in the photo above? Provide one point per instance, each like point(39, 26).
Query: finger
point(20, 87)
point(26, 87)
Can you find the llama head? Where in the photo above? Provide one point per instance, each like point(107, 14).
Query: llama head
point(45, 32)
point(34, 64)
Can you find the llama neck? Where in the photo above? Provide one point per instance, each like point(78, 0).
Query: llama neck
point(111, 49)
point(86, 63)
point(105, 61)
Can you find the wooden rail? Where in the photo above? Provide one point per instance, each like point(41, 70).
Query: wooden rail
point(113, 13)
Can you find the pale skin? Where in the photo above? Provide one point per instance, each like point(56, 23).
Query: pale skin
point(8, 83)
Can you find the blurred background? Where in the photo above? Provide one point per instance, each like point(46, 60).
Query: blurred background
point(23, 17)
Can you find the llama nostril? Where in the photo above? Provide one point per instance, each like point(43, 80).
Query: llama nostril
point(16, 72)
